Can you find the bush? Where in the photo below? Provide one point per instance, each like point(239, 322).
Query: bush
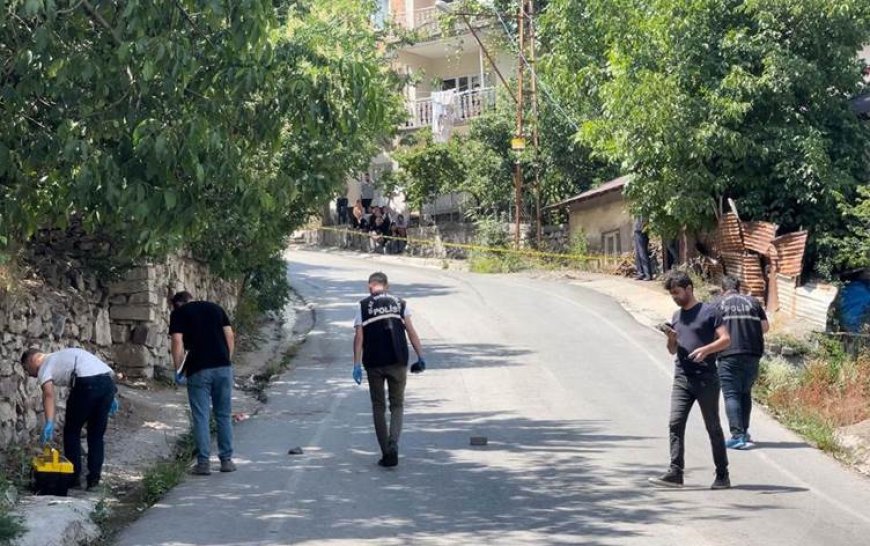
point(491, 262)
point(832, 390)
point(269, 285)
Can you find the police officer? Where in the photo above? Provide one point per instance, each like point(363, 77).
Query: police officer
point(383, 327)
point(738, 364)
point(91, 401)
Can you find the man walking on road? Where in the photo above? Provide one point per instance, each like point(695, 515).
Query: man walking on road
point(382, 329)
point(91, 402)
point(747, 323)
point(203, 330)
point(695, 336)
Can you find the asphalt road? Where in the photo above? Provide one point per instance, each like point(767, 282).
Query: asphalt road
point(573, 396)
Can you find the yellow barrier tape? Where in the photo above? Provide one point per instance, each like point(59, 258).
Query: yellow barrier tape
point(480, 248)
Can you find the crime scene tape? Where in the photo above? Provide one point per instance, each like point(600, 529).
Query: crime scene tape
point(597, 258)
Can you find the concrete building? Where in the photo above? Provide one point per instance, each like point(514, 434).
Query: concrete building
point(602, 215)
point(437, 61)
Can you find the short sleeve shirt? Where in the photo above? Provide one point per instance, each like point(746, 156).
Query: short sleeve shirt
point(696, 327)
point(58, 367)
point(202, 324)
point(743, 315)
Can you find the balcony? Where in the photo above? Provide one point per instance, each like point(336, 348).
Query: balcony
point(467, 105)
point(423, 20)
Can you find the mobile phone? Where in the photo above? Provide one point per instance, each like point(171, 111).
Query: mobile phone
point(666, 327)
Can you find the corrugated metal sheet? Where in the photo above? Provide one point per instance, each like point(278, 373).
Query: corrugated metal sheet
point(758, 236)
point(728, 238)
point(790, 253)
point(809, 303)
point(753, 275)
point(746, 266)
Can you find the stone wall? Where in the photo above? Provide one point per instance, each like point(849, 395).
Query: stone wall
point(554, 239)
point(124, 322)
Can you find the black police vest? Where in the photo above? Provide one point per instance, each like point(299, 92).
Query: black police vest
point(384, 341)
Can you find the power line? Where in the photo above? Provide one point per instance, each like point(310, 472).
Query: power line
point(543, 84)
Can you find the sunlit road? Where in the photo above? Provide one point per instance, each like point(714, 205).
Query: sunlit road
point(573, 396)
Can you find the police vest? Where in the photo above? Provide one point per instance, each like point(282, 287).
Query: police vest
point(384, 341)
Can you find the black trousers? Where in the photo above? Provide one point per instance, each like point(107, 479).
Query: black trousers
point(88, 404)
point(686, 391)
point(641, 255)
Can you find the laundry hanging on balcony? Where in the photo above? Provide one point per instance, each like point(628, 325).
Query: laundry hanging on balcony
point(443, 114)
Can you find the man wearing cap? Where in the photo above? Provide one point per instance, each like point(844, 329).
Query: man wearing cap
point(91, 401)
point(383, 327)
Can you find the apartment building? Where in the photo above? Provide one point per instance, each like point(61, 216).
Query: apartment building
point(437, 61)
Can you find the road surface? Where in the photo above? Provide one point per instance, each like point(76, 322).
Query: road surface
point(573, 396)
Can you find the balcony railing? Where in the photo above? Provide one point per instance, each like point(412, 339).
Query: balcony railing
point(424, 20)
point(467, 105)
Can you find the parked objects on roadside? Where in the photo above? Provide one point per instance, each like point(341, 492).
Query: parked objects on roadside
point(91, 400)
point(383, 328)
point(695, 336)
point(203, 343)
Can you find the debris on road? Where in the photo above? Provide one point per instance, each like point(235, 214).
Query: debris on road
point(479, 440)
point(295, 451)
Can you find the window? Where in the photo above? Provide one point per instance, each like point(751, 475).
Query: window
point(611, 243)
point(461, 83)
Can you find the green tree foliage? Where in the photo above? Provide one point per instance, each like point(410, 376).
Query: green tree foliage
point(215, 125)
point(704, 100)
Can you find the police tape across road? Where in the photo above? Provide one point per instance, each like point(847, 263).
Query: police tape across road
point(598, 259)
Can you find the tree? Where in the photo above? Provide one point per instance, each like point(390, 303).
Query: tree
point(215, 125)
point(704, 100)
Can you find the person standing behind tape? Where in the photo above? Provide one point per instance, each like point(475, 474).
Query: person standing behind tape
point(91, 402)
point(382, 329)
point(738, 364)
point(203, 329)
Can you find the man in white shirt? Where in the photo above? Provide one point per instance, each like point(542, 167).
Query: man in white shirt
point(91, 401)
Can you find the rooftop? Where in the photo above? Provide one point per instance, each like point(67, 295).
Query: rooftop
point(608, 187)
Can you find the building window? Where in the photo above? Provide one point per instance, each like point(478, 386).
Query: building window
point(611, 243)
point(461, 83)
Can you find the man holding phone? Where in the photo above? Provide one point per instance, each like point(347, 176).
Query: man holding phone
point(695, 337)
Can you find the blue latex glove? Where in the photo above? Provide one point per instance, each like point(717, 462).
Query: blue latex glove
point(113, 409)
point(419, 366)
point(180, 378)
point(47, 432)
point(357, 373)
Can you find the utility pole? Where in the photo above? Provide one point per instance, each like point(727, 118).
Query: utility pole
point(537, 121)
point(518, 143)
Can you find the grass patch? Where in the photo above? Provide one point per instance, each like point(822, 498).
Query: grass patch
point(489, 263)
point(11, 526)
point(830, 390)
point(166, 474)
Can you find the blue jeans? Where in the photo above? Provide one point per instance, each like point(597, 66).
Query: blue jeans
point(737, 374)
point(214, 385)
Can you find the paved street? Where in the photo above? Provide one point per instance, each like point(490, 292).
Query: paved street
point(573, 396)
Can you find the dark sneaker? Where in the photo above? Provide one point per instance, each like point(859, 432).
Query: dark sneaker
point(93, 483)
point(202, 469)
point(671, 478)
point(723, 481)
point(227, 465)
point(391, 458)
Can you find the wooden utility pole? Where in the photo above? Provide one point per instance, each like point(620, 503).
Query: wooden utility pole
point(518, 137)
point(537, 120)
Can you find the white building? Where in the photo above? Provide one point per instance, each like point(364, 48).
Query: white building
point(437, 61)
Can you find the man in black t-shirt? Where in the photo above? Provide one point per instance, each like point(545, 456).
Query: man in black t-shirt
point(738, 364)
point(203, 330)
point(694, 337)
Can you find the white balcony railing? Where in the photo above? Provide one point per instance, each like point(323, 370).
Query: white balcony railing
point(424, 20)
point(467, 105)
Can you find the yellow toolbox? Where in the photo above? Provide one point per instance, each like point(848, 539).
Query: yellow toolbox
point(52, 473)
